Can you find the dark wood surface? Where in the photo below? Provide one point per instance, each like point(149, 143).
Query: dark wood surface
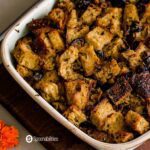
point(36, 120)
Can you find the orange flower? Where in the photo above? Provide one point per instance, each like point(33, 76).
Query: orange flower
point(2, 124)
point(8, 136)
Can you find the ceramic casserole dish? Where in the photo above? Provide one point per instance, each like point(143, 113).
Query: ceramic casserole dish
point(17, 31)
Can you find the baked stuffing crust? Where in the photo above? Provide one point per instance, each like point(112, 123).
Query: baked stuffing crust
point(91, 61)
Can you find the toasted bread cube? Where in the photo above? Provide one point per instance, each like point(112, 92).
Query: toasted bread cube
point(101, 112)
point(136, 103)
point(60, 106)
point(114, 123)
point(109, 71)
point(77, 32)
point(112, 20)
point(123, 136)
point(42, 42)
point(45, 51)
point(123, 68)
point(113, 48)
point(75, 28)
point(90, 15)
point(146, 16)
point(24, 72)
point(142, 35)
point(66, 4)
point(99, 37)
point(95, 96)
point(50, 76)
point(49, 91)
point(119, 91)
point(137, 122)
point(73, 19)
point(141, 49)
point(29, 60)
point(66, 64)
point(25, 56)
point(78, 92)
point(41, 30)
point(48, 62)
point(75, 115)
point(38, 24)
point(89, 59)
point(56, 40)
point(134, 57)
point(130, 15)
point(59, 16)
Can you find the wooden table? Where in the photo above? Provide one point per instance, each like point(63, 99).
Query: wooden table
point(36, 120)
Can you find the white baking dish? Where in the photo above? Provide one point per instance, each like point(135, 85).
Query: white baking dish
point(18, 31)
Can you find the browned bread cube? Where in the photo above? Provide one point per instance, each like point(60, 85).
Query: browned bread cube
point(134, 57)
point(114, 123)
point(108, 71)
point(24, 72)
point(78, 92)
point(77, 32)
point(75, 115)
point(130, 15)
point(38, 25)
point(146, 16)
point(101, 112)
point(136, 103)
point(137, 122)
point(112, 20)
point(66, 4)
point(66, 62)
point(123, 136)
point(43, 47)
point(99, 37)
point(75, 28)
point(90, 15)
point(25, 56)
point(73, 19)
point(123, 68)
point(113, 49)
point(56, 40)
point(50, 76)
point(119, 91)
point(49, 91)
point(60, 106)
point(89, 59)
point(59, 16)
point(142, 35)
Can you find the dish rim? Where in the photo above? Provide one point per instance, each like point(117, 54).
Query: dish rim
point(6, 59)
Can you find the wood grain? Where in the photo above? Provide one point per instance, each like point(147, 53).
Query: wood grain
point(36, 120)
